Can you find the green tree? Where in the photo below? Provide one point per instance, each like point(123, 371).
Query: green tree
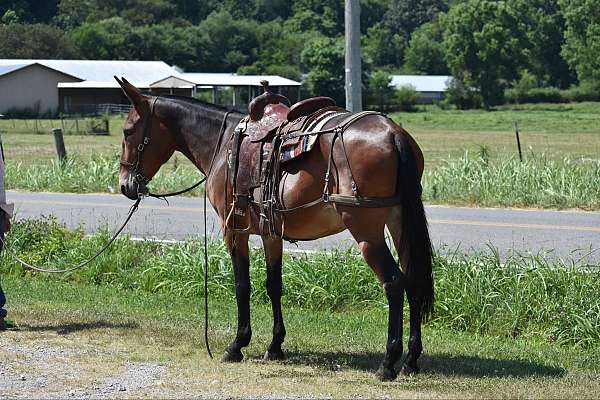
point(35, 41)
point(380, 92)
point(425, 52)
point(544, 26)
point(484, 42)
point(405, 16)
point(324, 59)
point(582, 44)
point(382, 48)
point(30, 11)
point(406, 98)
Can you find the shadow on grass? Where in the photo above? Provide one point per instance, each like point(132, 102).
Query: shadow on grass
point(67, 328)
point(437, 364)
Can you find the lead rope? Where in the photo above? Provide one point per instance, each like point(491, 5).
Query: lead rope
point(132, 210)
point(212, 162)
point(206, 281)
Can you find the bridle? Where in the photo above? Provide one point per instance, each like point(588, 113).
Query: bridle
point(142, 180)
point(138, 176)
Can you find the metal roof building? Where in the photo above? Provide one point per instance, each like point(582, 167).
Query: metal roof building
point(141, 73)
point(80, 86)
point(430, 87)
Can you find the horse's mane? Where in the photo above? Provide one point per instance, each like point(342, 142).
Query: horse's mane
point(199, 103)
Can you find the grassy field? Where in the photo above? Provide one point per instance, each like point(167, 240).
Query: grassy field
point(557, 130)
point(101, 332)
point(130, 325)
point(521, 296)
point(470, 158)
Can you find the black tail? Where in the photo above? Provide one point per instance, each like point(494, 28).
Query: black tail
point(415, 233)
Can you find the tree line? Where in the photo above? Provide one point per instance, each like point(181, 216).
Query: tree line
point(515, 50)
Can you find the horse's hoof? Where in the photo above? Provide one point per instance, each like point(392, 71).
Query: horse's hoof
point(274, 355)
point(386, 374)
point(407, 370)
point(232, 356)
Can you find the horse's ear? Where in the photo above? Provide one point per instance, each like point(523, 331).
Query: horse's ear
point(137, 98)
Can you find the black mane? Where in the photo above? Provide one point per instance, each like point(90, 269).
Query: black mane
point(196, 102)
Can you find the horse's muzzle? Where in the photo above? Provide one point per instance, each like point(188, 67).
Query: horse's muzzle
point(132, 188)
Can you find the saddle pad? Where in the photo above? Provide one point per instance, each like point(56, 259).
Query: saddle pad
point(295, 147)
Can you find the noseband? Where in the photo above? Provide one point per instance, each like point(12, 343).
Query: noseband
point(138, 176)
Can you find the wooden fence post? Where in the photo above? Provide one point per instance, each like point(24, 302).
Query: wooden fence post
point(60, 144)
point(518, 141)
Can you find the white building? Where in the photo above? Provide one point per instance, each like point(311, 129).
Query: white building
point(430, 87)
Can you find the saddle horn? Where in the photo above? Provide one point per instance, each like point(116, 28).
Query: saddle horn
point(256, 108)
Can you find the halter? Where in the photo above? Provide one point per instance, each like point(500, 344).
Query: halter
point(138, 176)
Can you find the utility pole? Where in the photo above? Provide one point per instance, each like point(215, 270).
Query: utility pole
point(353, 61)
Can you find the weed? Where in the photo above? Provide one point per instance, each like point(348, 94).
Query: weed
point(531, 296)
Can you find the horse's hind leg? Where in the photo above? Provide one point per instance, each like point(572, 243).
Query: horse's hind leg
point(238, 248)
point(415, 346)
point(367, 227)
point(273, 253)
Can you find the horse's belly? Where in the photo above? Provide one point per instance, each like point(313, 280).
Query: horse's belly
point(303, 187)
point(312, 223)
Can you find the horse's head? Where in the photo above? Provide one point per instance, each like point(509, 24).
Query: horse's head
point(147, 142)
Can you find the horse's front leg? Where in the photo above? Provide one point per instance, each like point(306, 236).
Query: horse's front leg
point(273, 253)
point(238, 248)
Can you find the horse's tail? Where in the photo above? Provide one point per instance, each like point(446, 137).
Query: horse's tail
point(415, 242)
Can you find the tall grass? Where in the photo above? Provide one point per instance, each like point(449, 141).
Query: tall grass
point(522, 295)
point(537, 181)
point(95, 175)
point(472, 180)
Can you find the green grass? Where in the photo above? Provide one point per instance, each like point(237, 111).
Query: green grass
point(554, 119)
point(330, 354)
point(536, 182)
point(530, 296)
point(96, 174)
point(557, 130)
point(560, 142)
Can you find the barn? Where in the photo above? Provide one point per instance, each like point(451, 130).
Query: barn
point(49, 86)
point(430, 87)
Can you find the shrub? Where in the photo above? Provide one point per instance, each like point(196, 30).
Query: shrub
point(461, 96)
point(586, 91)
point(406, 98)
point(535, 95)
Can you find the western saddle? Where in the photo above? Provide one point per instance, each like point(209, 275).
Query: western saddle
point(254, 162)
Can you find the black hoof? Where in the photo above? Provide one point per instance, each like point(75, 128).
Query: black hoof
point(407, 370)
point(274, 355)
point(232, 356)
point(386, 374)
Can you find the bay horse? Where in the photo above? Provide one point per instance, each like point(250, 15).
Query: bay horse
point(385, 162)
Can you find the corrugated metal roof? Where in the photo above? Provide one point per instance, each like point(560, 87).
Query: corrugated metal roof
point(422, 83)
point(6, 69)
point(101, 70)
point(209, 79)
point(99, 85)
point(99, 73)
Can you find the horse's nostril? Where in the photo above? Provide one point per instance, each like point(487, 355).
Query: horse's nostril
point(123, 190)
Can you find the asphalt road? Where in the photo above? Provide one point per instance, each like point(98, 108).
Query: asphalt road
point(567, 234)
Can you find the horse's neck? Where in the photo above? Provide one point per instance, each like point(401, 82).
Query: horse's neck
point(199, 133)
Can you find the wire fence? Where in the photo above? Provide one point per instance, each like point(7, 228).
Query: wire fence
point(85, 119)
point(69, 126)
